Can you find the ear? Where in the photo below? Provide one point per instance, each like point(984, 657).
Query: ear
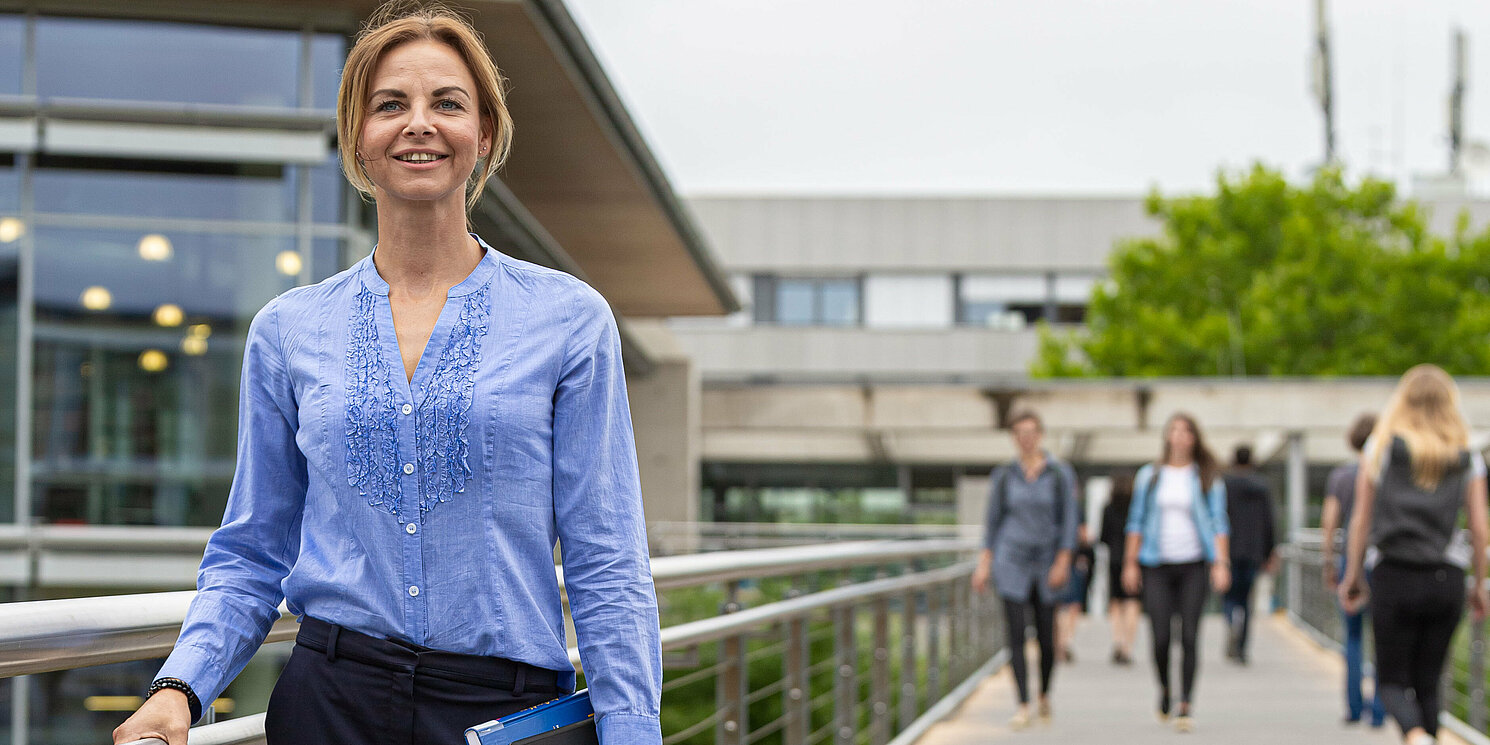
point(483, 145)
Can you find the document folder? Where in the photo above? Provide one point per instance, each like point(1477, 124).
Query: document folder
point(568, 720)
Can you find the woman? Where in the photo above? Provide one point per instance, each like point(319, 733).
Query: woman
point(1030, 535)
point(414, 435)
point(1122, 607)
point(1416, 476)
point(1071, 604)
point(1178, 533)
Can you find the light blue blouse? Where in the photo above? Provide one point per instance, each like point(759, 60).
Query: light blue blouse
point(428, 512)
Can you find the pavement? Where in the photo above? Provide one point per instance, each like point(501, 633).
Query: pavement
point(1289, 694)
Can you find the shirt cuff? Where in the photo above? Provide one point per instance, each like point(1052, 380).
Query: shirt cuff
point(193, 664)
point(628, 729)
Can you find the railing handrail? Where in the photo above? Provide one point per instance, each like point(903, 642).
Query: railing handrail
point(49, 635)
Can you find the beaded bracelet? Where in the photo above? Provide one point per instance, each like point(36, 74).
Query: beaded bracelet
point(177, 684)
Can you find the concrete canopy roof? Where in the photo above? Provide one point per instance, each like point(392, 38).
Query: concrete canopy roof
point(579, 166)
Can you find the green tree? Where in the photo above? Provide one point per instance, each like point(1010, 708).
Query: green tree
point(1268, 278)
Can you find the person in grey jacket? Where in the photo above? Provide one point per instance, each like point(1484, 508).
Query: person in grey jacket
point(1027, 548)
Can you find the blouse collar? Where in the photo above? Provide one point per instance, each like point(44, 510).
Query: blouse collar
point(477, 279)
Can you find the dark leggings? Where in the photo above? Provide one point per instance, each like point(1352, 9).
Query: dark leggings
point(1414, 610)
point(1016, 615)
point(1170, 589)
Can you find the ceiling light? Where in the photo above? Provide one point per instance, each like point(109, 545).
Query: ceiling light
point(155, 247)
point(154, 360)
point(168, 315)
point(11, 229)
point(194, 346)
point(289, 263)
point(96, 298)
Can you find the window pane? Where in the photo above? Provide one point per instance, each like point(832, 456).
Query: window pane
point(328, 192)
point(146, 61)
point(10, 187)
point(327, 54)
point(12, 53)
point(218, 192)
point(840, 302)
point(794, 302)
point(139, 343)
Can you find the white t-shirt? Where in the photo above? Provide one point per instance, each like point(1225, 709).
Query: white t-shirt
point(1179, 539)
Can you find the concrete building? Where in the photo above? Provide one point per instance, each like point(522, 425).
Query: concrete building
point(886, 339)
point(168, 167)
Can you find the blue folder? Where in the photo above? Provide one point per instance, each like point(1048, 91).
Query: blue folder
point(568, 720)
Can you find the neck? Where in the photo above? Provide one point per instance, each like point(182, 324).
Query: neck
point(423, 246)
point(1180, 461)
point(1032, 457)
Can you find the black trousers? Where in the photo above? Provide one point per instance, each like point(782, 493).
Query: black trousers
point(352, 689)
point(1414, 611)
point(1238, 602)
point(1171, 590)
point(1016, 620)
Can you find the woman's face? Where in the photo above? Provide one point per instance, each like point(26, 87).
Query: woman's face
point(1180, 437)
point(421, 131)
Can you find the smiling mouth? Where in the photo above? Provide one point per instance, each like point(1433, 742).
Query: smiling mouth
point(419, 157)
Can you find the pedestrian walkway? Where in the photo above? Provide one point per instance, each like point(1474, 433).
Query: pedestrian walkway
point(1290, 694)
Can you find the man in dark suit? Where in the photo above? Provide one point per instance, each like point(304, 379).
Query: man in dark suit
point(1249, 506)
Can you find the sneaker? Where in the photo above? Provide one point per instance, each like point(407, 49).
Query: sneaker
point(1020, 721)
point(1043, 711)
point(1184, 723)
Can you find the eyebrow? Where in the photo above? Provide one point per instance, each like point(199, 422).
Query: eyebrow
point(395, 93)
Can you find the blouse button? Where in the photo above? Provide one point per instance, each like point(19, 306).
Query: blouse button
point(408, 468)
point(413, 591)
point(411, 528)
point(407, 409)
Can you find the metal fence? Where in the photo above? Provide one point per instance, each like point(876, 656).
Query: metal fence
point(1314, 609)
point(861, 643)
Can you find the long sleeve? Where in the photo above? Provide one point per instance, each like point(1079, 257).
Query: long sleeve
point(1136, 510)
point(238, 585)
point(1269, 527)
point(1070, 509)
point(602, 532)
point(995, 514)
point(1216, 500)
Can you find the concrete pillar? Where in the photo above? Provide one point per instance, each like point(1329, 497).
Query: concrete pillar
point(1297, 484)
point(665, 415)
point(972, 503)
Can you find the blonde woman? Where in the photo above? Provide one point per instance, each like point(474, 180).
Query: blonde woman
point(414, 435)
point(1416, 477)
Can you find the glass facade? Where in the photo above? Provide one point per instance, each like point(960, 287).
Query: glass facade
point(144, 277)
point(808, 301)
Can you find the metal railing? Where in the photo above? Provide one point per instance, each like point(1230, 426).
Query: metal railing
point(670, 538)
point(853, 663)
point(1315, 609)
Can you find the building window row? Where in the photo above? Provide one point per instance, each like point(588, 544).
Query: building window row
point(926, 301)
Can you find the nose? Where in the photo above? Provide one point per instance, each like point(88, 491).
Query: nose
point(420, 123)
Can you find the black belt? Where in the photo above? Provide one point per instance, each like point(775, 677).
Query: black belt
point(393, 654)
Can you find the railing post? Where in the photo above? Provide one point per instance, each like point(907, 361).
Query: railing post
point(908, 708)
point(846, 678)
point(1476, 685)
point(1296, 488)
point(730, 692)
point(879, 681)
point(796, 700)
point(933, 645)
point(955, 648)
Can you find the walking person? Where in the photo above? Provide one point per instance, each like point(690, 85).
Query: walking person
point(414, 435)
point(1072, 600)
point(1339, 503)
point(1123, 608)
point(1178, 545)
point(1028, 542)
point(1249, 510)
point(1416, 478)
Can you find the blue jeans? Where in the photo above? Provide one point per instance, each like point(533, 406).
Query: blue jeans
point(1355, 665)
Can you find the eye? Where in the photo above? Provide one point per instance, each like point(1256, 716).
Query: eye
point(449, 104)
point(387, 106)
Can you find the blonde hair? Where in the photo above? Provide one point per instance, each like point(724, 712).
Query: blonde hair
point(1423, 411)
point(400, 22)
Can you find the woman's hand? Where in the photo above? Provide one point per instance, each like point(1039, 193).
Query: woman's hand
point(1132, 577)
point(1353, 593)
point(1060, 573)
point(165, 716)
point(1479, 603)
point(1220, 577)
point(1329, 575)
point(980, 577)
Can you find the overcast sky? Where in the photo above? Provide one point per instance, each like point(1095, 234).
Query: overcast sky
point(1029, 96)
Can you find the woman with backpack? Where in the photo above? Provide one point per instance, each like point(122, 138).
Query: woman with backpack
point(1027, 549)
point(1177, 548)
point(1416, 476)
